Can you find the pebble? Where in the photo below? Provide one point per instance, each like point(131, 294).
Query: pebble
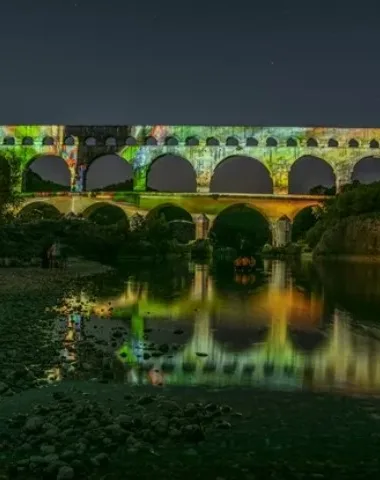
point(65, 473)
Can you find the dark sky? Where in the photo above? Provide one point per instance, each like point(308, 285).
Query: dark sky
point(133, 62)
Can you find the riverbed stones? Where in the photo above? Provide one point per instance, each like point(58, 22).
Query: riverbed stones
point(3, 387)
point(87, 434)
point(65, 473)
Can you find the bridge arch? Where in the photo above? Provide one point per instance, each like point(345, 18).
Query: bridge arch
point(171, 141)
point(192, 141)
point(353, 143)
point(305, 341)
point(130, 141)
point(180, 220)
point(171, 173)
point(150, 140)
point(46, 173)
point(234, 338)
point(252, 142)
point(271, 142)
point(312, 142)
point(94, 213)
point(241, 174)
point(212, 142)
point(171, 212)
point(241, 221)
point(308, 172)
point(232, 141)
point(48, 141)
point(70, 140)
point(366, 170)
point(9, 140)
point(303, 221)
point(108, 172)
point(38, 210)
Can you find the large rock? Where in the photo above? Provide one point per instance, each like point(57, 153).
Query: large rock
point(359, 235)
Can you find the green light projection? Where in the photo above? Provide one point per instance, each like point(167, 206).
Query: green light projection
point(277, 148)
point(20, 145)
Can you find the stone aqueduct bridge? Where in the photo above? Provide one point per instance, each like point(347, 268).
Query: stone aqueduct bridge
point(205, 148)
point(278, 210)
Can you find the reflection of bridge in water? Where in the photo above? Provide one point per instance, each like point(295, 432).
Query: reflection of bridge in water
point(342, 359)
point(338, 357)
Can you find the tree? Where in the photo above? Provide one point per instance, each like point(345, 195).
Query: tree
point(35, 183)
point(322, 190)
point(9, 179)
point(356, 200)
point(159, 233)
point(303, 222)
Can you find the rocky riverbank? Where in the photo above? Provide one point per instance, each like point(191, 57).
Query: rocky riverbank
point(87, 425)
point(107, 431)
point(33, 278)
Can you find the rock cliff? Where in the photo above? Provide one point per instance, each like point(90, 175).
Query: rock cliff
point(357, 235)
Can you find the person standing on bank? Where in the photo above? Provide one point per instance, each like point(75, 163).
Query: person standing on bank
point(55, 253)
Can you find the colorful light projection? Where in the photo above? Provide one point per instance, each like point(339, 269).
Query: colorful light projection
point(277, 148)
point(22, 144)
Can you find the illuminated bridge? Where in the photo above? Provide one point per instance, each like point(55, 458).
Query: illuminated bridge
point(277, 152)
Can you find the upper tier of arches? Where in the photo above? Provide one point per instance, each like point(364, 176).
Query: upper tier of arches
point(193, 141)
point(232, 174)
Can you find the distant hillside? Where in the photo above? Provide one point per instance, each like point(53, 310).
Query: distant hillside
point(126, 186)
point(35, 183)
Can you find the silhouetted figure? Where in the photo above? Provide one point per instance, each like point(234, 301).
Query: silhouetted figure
point(45, 261)
point(55, 254)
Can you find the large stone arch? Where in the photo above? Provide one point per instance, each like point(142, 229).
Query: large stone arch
point(172, 180)
point(232, 337)
point(303, 220)
point(302, 177)
point(366, 169)
point(38, 210)
point(160, 209)
point(97, 206)
point(243, 230)
point(57, 170)
point(180, 220)
point(110, 169)
point(307, 341)
point(253, 175)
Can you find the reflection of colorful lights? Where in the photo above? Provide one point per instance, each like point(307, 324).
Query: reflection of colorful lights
point(245, 279)
point(156, 376)
point(341, 352)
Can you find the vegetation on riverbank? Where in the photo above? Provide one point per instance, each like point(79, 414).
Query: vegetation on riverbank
point(348, 224)
point(23, 241)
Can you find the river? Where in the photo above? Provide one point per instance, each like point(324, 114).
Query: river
point(291, 325)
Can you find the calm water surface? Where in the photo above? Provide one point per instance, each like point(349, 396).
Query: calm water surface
point(293, 326)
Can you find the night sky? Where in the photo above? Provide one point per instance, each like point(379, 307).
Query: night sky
point(128, 62)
